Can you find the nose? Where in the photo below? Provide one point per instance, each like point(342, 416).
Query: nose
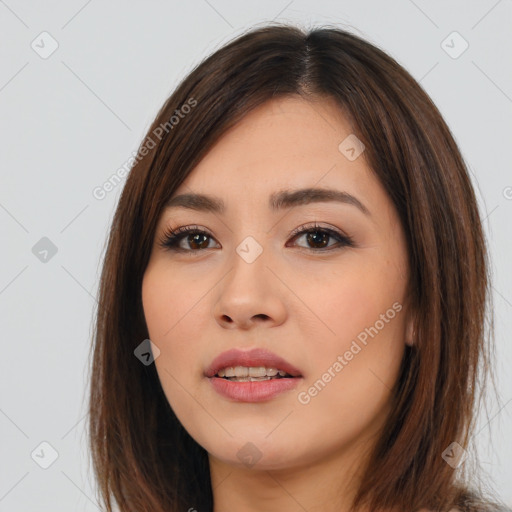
point(249, 295)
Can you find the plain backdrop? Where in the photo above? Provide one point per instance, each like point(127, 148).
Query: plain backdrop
point(80, 83)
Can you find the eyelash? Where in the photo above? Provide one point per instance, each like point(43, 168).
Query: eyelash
point(172, 237)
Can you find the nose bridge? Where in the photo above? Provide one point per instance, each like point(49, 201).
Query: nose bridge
point(250, 232)
point(251, 248)
point(248, 262)
point(247, 291)
point(251, 241)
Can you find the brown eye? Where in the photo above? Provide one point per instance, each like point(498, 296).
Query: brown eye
point(317, 238)
point(198, 241)
point(194, 239)
point(191, 239)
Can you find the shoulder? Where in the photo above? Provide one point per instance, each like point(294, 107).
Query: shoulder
point(497, 508)
point(451, 510)
point(486, 508)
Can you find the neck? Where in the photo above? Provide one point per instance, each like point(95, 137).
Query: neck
point(329, 484)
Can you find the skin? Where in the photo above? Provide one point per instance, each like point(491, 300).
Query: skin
point(305, 305)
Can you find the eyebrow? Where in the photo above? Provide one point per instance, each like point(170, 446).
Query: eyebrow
point(278, 201)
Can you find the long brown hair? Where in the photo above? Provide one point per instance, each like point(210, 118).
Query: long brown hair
point(142, 455)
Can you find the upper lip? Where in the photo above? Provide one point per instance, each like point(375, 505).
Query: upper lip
point(254, 357)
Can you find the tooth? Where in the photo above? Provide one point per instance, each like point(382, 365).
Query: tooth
point(241, 371)
point(249, 379)
point(259, 371)
point(254, 371)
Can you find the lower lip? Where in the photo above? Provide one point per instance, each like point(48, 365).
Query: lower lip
point(256, 391)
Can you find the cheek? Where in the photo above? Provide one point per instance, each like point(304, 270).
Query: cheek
point(177, 315)
point(354, 300)
point(365, 320)
point(353, 371)
point(171, 311)
point(167, 302)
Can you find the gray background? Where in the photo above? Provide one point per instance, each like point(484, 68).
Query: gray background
point(70, 120)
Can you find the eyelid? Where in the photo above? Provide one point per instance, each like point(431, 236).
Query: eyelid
point(170, 232)
point(315, 225)
point(173, 236)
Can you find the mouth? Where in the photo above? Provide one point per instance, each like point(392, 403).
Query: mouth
point(252, 374)
point(251, 366)
point(255, 376)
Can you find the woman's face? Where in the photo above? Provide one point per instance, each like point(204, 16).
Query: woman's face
point(334, 310)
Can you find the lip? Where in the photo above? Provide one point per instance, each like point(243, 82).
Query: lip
point(253, 391)
point(254, 357)
point(256, 391)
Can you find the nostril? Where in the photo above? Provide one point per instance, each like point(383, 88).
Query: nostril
point(262, 316)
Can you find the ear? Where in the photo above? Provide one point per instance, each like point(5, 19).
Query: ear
point(410, 331)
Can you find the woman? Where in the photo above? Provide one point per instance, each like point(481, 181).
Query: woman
point(293, 298)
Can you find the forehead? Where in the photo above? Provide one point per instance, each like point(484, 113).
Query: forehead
point(286, 143)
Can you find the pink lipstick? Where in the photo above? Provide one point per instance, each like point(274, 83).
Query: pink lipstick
point(251, 376)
